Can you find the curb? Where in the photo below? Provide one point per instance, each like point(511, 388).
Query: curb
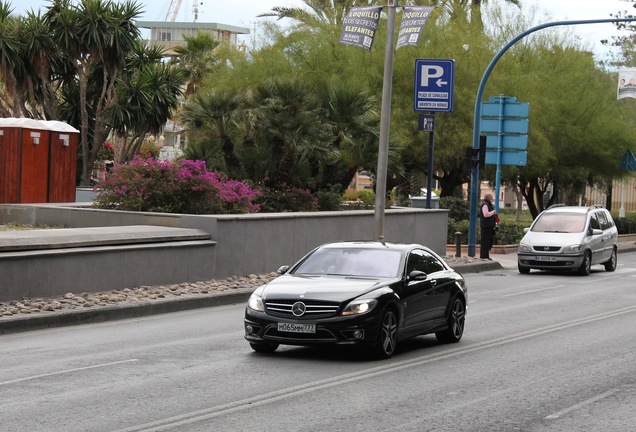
point(118, 312)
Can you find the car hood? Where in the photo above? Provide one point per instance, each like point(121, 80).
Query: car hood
point(325, 288)
point(552, 239)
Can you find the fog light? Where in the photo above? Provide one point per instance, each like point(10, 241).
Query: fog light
point(249, 330)
point(358, 334)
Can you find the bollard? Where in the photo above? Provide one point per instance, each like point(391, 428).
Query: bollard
point(458, 244)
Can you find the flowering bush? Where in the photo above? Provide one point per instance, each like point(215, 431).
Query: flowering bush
point(173, 187)
point(106, 152)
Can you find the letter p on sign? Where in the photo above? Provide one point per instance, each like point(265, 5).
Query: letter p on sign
point(430, 72)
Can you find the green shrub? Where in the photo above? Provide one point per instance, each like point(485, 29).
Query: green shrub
point(626, 225)
point(182, 186)
point(285, 199)
point(458, 208)
point(330, 199)
point(457, 226)
point(367, 196)
point(509, 233)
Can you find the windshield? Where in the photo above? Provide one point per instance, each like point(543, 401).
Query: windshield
point(560, 222)
point(352, 262)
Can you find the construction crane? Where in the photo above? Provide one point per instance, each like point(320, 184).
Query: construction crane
point(173, 10)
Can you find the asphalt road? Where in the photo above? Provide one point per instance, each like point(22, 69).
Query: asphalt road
point(541, 352)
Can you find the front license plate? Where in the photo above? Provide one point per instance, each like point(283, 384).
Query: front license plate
point(297, 328)
point(545, 258)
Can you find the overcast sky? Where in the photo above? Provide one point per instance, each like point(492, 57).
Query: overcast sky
point(243, 12)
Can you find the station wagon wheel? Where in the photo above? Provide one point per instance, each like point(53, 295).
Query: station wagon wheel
point(387, 339)
point(610, 265)
point(523, 269)
point(456, 320)
point(264, 347)
point(586, 265)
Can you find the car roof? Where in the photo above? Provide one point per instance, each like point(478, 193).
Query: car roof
point(571, 209)
point(372, 244)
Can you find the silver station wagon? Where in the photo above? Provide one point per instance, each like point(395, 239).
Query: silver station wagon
point(569, 238)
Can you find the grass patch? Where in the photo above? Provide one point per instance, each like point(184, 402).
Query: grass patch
point(15, 226)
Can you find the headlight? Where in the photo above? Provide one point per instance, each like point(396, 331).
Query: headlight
point(358, 307)
point(524, 247)
point(256, 303)
point(573, 248)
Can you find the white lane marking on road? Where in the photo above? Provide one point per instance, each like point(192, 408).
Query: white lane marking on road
point(581, 404)
point(173, 423)
point(67, 371)
point(533, 291)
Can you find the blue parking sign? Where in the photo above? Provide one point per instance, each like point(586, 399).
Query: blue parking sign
point(434, 81)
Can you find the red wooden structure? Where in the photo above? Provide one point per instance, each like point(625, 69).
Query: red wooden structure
point(37, 161)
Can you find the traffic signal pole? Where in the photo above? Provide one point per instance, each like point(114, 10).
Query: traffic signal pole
point(474, 178)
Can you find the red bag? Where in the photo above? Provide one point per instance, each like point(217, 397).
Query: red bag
point(496, 218)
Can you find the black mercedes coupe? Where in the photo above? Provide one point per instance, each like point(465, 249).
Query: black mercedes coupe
point(370, 293)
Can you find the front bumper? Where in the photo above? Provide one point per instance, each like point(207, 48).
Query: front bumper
point(550, 261)
point(340, 330)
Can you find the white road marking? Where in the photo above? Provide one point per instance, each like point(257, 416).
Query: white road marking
point(67, 371)
point(581, 404)
point(175, 422)
point(533, 291)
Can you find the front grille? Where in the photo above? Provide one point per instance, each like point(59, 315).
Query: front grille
point(547, 248)
point(313, 309)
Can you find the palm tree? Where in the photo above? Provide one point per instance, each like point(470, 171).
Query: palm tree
point(291, 125)
point(12, 67)
point(197, 58)
point(215, 122)
point(96, 36)
point(319, 12)
point(354, 130)
point(147, 94)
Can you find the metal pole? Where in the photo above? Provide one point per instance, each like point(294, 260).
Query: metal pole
point(474, 178)
point(429, 178)
point(385, 123)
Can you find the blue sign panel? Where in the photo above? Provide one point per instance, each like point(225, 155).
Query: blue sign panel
point(514, 126)
point(508, 142)
point(518, 158)
point(514, 109)
point(434, 81)
point(426, 122)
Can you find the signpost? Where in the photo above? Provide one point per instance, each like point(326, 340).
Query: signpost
point(504, 122)
point(434, 81)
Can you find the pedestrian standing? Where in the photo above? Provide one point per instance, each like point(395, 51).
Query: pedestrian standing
point(487, 223)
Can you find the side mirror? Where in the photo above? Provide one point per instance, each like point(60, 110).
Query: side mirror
point(282, 270)
point(596, 231)
point(525, 230)
point(417, 275)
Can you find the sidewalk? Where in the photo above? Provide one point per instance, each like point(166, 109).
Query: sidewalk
point(232, 292)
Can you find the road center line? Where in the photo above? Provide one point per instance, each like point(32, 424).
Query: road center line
point(67, 371)
point(278, 395)
point(581, 404)
point(533, 291)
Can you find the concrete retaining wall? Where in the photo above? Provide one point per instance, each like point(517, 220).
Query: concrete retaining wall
point(244, 244)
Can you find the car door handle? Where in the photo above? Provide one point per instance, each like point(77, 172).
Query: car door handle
point(434, 282)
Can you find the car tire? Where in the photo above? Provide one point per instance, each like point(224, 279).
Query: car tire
point(263, 347)
point(610, 265)
point(387, 336)
point(586, 265)
point(523, 269)
point(456, 320)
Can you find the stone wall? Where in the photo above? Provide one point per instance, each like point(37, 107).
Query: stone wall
point(242, 244)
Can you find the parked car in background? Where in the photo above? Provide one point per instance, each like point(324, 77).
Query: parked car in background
point(569, 238)
point(372, 294)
